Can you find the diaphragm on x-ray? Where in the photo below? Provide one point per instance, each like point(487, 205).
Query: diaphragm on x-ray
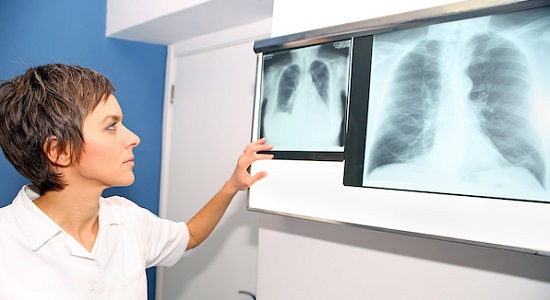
point(462, 107)
point(304, 94)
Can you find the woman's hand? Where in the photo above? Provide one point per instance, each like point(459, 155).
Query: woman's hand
point(241, 178)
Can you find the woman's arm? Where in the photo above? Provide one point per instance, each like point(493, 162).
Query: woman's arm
point(204, 222)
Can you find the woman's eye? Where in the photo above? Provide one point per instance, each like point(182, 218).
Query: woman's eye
point(111, 127)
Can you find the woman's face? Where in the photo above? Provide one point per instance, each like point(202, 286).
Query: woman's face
point(107, 159)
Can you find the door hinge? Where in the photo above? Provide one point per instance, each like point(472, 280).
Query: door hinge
point(172, 88)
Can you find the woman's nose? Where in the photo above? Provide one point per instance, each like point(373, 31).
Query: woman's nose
point(133, 139)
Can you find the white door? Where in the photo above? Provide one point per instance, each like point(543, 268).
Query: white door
point(210, 124)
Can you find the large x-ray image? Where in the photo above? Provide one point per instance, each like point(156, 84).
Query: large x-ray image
point(304, 94)
point(462, 107)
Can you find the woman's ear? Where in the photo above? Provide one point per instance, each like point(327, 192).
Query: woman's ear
point(58, 156)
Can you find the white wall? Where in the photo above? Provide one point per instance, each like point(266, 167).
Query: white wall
point(301, 259)
point(288, 15)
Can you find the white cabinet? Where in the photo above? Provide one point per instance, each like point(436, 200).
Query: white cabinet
point(170, 21)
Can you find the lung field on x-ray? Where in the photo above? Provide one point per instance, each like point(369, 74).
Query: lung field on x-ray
point(500, 95)
point(416, 94)
point(304, 95)
point(456, 110)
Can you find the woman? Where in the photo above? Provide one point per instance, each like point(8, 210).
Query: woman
point(61, 127)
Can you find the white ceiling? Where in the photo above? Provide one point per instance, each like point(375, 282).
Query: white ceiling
point(208, 17)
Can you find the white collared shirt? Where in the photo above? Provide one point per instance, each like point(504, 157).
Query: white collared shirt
point(38, 260)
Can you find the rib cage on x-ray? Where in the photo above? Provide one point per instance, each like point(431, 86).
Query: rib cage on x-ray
point(288, 84)
point(501, 88)
point(291, 79)
point(303, 98)
point(499, 98)
point(320, 76)
point(410, 126)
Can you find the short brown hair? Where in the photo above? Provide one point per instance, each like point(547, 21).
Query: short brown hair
point(45, 102)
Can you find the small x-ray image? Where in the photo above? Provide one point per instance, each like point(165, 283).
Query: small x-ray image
point(304, 93)
point(463, 108)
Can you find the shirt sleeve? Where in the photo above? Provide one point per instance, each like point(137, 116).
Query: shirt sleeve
point(162, 242)
point(165, 241)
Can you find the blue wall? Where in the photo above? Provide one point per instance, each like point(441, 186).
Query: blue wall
point(35, 32)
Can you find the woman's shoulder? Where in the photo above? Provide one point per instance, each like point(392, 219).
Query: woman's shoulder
point(117, 202)
point(6, 214)
point(122, 208)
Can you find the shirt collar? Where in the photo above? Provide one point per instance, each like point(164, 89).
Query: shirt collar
point(106, 243)
point(37, 227)
point(108, 216)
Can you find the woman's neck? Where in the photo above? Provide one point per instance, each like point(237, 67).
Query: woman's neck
point(75, 211)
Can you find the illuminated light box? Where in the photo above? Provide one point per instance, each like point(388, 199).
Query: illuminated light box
point(447, 133)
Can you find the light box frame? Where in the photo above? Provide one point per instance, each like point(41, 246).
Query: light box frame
point(314, 189)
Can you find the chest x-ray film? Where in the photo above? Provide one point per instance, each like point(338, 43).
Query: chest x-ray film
point(303, 101)
point(462, 107)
